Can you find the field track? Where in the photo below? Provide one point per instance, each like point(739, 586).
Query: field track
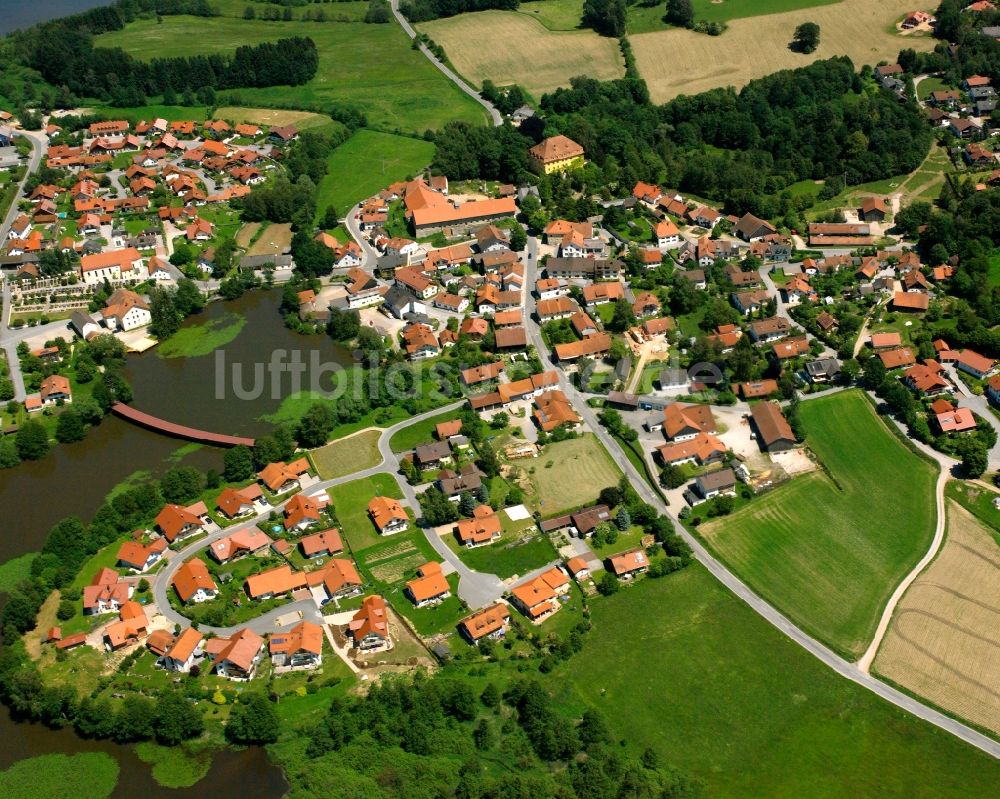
point(944, 643)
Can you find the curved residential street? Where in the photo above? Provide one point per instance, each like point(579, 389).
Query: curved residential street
point(495, 116)
point(475, 588)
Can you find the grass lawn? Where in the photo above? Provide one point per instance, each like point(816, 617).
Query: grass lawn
point(928, 85)
point(347, 455)
point(826, 553)
point(203, 339)
point(418, 433)
point(994, 273)
point(978, 501)
point(350, 502)
point(89, 775)
point(369, 67)
point(570, 474)
point(171, 113)
point(509, 556)
point(720, 694)
point(556, 15)
point(15, 570)
point(367, 162)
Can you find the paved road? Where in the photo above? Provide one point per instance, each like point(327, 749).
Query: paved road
point(369, 255)
point(846, 669)
point(476, 588)
point(39, 146)
point(979, 405)
point(495, 116)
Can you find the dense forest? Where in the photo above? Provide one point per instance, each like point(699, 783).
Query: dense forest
point(744, 148)
point(423, 10)
point(66, 56)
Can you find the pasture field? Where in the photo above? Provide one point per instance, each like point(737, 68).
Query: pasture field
point(523, 51)
point(270, 117)
point(368, 162)
point(347, 455)
point(569, 474)
point(943, 641)
point(679, 61)
point(516, 553)
point(556, 15)
point(275, 239)
point(717, 692)
point(350, 501)
point(369, 67)
point(829, 549)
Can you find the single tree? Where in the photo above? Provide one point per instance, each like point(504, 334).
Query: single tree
point(806, 38)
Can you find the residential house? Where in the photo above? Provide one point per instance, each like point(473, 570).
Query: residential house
point(628, 564)
point(602, 293)
point(131, 625)
point(926, 378)
point(388, 515)
point(249, 541)
point(193, 583)
point(766, 331)
point(974, 364)
point(301, 513)
point(339, 579)
point(773, 432)
point(583, 268)
point(578, 568)
point(106, 593)
point(897, 358)
point(481, 374)
point(236, 658)
point(483, 528)
point(751, 228)
point(415, 282)
point(55, 389)
point(539, 598)
point(701, 450)
point(596, 346)
point(176, 522)
point(301, 647)
point(790, 348)
point(430, 587)
point(236, 503)
point(667, 235)
point(369, 628)
point(112, 266)
point(453, 484)
point(885, 341)
point(279, 477)
point(950, 419)
point(715, 484)
point(748, 302)
point(557, 308)
point(274, 582)
point(183, 651)
point(419, 341)
point(488, 623)
point(322, 544)
point(141, 557)
point(581, 523)
point(822, 370)
point(684, 422)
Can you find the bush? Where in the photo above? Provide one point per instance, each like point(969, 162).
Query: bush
point(66, 611)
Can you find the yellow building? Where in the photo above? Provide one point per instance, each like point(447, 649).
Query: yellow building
point(557, 154)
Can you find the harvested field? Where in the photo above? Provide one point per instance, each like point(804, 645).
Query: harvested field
point(272, 116)
point(523, 51)
point(246, 234)
point(943, 643)
point(684, 62)
point(275, 240)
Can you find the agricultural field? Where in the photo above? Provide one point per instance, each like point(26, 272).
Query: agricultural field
point(556, 15)
point(523, 51)
point(367, 162)
point(943, 640)
point(684, 62)
point(347, 455)
point(706, 669)
point(569, 474)
point(369, 67)
point(828, 549)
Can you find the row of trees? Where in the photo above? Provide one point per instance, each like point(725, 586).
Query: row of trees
point(423, 10)
point(66, 56)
